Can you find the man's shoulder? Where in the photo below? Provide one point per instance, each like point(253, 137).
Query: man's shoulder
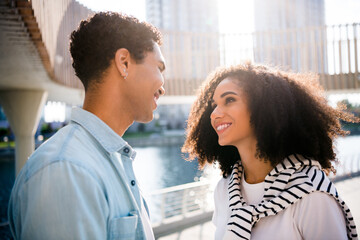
point(70, 139)
point(71, 144)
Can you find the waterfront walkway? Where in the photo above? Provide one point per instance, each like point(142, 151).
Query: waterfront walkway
point(349, 191)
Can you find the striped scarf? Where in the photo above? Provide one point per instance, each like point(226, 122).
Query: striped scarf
point(287, 183)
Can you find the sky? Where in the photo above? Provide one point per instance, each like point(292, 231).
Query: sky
point(342, 11)
point(241, 12)
point(130, 7)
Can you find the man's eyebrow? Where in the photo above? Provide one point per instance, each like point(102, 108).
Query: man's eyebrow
point(162, 66)
point(227, 93)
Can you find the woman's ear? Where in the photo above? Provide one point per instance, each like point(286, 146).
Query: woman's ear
point(122, 58)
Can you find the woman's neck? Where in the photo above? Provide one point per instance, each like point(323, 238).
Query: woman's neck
point(255, 168)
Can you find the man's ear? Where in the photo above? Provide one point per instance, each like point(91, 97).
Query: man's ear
point(122, 58)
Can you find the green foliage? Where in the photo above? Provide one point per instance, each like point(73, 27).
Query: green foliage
point(353, 128)
point(4, 132)
point(7, 144)
point(46, 129)
point(137, 134)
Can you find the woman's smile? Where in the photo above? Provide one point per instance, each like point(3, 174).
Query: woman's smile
point(222, 127)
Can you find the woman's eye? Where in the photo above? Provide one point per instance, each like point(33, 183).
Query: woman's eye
point(229, 100)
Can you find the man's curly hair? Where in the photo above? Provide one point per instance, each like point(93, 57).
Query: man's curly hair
point(288, 112)
point(94, 44)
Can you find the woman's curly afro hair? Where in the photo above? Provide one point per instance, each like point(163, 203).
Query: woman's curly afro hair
point(288, 112)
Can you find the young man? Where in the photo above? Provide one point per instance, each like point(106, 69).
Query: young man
point(80, 184)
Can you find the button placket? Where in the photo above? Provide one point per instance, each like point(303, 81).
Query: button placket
point(126, 150)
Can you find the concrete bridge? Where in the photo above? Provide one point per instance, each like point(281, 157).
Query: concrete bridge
point(35, 64)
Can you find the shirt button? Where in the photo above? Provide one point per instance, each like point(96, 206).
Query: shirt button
point(126, 150)
point(132, 182)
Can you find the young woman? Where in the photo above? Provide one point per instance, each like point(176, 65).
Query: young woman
point(272, 134)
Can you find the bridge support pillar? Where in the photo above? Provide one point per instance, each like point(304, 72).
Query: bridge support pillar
point(23, 110)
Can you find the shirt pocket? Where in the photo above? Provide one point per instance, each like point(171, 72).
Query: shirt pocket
point(124, 228)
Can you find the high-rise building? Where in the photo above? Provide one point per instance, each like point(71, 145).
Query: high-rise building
point(191, 44)
point(291, 33)
point(183, 15)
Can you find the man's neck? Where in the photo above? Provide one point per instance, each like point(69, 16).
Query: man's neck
point(110, 111)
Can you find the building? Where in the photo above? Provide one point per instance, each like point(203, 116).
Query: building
point(191, 45)
point(291, 33)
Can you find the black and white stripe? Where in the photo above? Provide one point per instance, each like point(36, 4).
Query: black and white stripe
point(288, 182)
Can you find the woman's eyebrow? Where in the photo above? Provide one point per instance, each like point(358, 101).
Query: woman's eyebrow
point(227, 93)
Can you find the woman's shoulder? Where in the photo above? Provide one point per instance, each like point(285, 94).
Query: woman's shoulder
point(318, 204)
point(222, 184)
point(221, 189)
point(317, 213)
point(319, 201)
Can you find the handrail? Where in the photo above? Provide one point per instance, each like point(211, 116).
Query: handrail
point(330, 51)
point(181, 202)
point(175, 204)
point(348, 167)
point(180, 187)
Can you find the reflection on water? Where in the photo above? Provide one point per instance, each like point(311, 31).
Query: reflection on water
point(161, 167)
point(347, 145)
point(7, 178)
point(348, 154)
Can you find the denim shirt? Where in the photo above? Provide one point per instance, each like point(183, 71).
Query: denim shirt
point(79, 184)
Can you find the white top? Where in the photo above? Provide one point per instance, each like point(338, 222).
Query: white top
point(146, 223)
point(316, 216)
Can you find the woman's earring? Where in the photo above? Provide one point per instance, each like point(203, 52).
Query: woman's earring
point(126, 74)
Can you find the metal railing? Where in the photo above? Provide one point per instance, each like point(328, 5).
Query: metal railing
point(330, 51)
point(181, 202)
point(177, 208)
point(178, 203)
point(348, 167)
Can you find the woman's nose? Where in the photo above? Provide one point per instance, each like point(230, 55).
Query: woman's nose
point(161, 91)
point(216, 113)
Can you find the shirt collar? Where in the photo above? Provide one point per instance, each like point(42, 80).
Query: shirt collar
point(107, 138)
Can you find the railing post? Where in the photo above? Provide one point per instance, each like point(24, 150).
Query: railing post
point(184, 203)
point(356, 72)
point(349, 84)
point(163, 203)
